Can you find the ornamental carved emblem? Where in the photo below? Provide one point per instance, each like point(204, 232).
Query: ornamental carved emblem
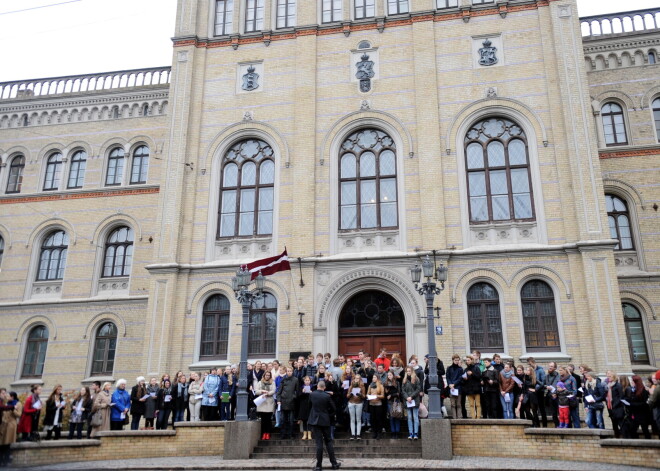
point(487, 54)
point(250, 80)
point(365, 72)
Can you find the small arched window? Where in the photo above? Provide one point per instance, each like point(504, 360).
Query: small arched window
point(263, 331)
point(35, 352)
point(145, 110)
point(215, 328)
point(118, 255)
point(2, 249)
point(614, 126)
point(115, 171)
point(53, 172)
point(619, 220)
point(140, 165)
point(484, 318)
point(656, 117)
point(639, 353)
point(652, 58)
point(498, 177)
point(52, 259)
point(367, 181)
point(105, 346)
point(77, 171)
point(247, 190)
point(16, 174)
point(539, 317)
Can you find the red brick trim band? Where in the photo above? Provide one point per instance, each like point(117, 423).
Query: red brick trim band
point(75, 196)
point(629, 153)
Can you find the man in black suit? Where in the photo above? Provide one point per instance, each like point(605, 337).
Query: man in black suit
point(320, 418)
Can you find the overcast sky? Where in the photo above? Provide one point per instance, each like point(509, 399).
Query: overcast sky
point(50, 38)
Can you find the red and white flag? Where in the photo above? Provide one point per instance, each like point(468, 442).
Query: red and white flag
point(268, 266)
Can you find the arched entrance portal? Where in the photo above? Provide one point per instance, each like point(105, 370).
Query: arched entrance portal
point(369, 321)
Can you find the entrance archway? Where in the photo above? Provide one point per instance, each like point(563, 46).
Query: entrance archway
point(369, 321)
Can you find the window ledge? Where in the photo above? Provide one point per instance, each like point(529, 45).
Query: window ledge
point(504, 233)
point(368, 240)
point(254, 247)
point(101, 379)
point(109, 287)
point(27, 382)
point(51, 289)
point(545, 356)
point(208, 364)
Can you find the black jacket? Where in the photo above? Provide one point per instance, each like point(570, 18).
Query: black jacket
point(161, 404)
point(472, 385)
point(288, 392)
point(180, 400)
point(455, 376)
point(322, 409)
point(51, 409)
point(137, 407)
point(441, 373)
point(617, 411)
point(489, 375)
point(392, 392)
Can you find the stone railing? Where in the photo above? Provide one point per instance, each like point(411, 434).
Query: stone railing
point(87, 83)
point(620, 23)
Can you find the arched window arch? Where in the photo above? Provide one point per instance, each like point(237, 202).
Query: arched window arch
point(15, 180)
point(539, 317)
point(53, 171)
point(632, 317)
point(247, 190)
point(614, 126)
point(77, 170)
point(652, 58)
point(2, 249)
point(215, 328)
point(656, 117)
point(619, 220)
point(35, 352)
point(498, 176)
point(367, 181)
point(262, 337)
point(115, 172)
point(118, 253)
point(105, 346)
point(52, 257)
point(484, 318)
point(140, 165)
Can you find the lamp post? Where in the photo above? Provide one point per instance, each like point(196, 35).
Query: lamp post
point(429, 289)
point(241, 286)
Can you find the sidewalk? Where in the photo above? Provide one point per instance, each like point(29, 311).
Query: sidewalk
point(459, 463)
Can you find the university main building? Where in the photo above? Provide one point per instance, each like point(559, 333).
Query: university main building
point(512, 141)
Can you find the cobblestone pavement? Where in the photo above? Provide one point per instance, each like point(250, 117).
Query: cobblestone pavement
point(459, 463)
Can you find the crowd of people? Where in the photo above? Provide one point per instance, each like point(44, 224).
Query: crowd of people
point(369, 395)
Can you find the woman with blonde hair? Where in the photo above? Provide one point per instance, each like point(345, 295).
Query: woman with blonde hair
point(615, 407)
point(195, 390)
point(266, 389)
point(410, 390)
point(377, 393)
point(101, 406)
point(355, 395)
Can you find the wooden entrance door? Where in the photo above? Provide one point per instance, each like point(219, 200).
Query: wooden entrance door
point(372, 342)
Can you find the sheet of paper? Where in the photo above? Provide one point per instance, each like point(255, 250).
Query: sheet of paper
point(259, 400)
point(355, 391)
point(307, 389)
point(454, 392)
point(590, 398)
point(551, 388)
point(410, 404)
point(371, 397)
point(152, 394)
point(517, 381)
point(364, 380)
point(37, 405)
point(345, 384)
point(199, 396)
point(146, 396)
point(580, 389)
point(464, 376)
point(624, 402)
point(122, 416)
point(168, 398)
point(507, 397)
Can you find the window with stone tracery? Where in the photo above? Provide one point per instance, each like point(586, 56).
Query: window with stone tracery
point(618, 217)
point(484, 318)
point(52, 257)
point(15, 180)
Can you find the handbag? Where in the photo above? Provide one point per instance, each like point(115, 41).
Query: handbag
point(396, 410)
point(423, 411)
point(97, 419)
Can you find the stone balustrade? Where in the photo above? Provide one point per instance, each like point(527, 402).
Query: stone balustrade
point(623, 23)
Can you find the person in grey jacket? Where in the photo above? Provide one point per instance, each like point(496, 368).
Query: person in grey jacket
point(287, 393)
point(551, 404)
point(410, 390)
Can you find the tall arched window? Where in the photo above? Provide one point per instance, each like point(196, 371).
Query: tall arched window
point(2, 249)
point(140, 165)
point(53, 172)
point(115, 171)
point(614, 126)
point(105, 346)
point(539, 317)
point(484, 318)
point(118, 255)
point(656, 117)
point(35, 352)
point(619, 219)
point(52, 259)
point(367, 181)
point(215, 328)
point(639, 353)
point(77, 171)
point(16, 174)
point(498, 178)
point(263, 333)
point(246, 190)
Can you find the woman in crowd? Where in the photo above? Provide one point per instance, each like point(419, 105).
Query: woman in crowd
point(81, 406)
point(8, 425)
point(164, 405)
point(518, 390)
point(394, 406)
point(138, 402)
point(396, 367)
point(266, 390)
point(210, 398)
point(334, 389)
point(356, 396)
point(55, 405)
point(195, 390)
point(29, 422)
point(121, 404)
point(614, 404)
point(640, 413)
point(320, 374)
point(377, 392)
point(529, 403)
point(180, 399)
point(150, 404)
point(226, 389)
point(410, 389)
point(506, 390)
point(594, 398)
point(101, 407)
point(305, 406)
point(454, 376)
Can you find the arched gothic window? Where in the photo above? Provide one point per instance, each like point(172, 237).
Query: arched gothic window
point(215, 328)
point(105, 346)
point(367, 181)
point(498, 177)
point(484, 318)
point(619, 219)
point(52, 259)
point(263, 331)
point(53, 172)
point(16, 174)
point(35, 352)
point(115, 171)
point(247, 190)
point(639, 353)
point(656, 117)
point(614, 126)
point(539, 317)
point(77, 171)
point(118, 255)
point(140, 165)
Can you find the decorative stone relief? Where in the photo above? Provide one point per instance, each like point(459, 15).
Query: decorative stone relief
point(232, 249)
point(365, 72)
point(364, 69)
point(487, 51)
point(46, 290)
point(248, 116)
point(626, 261)
point(250, 77)
point(324, 278)
point(488, 54)
point(491, 92)
point(113, 287)
point(368, 242)
point(504, 233)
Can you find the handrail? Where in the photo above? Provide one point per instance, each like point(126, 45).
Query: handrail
point(621, 23)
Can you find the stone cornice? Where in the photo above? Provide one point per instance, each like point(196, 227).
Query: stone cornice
point(616, 44)
point(79, 194)
point(91, 301)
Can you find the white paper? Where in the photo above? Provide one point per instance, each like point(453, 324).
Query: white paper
point(454, 392)
point(624, 402)
point(410, 404)
point(259, 400)
point(152, 394)
point(507, 397)
point(37, 405)
point(464, 376)
point(168, 398)
point(279, 407)
point(146, 396)
point(580, 389)
point(517, 381)
point(364, 380)
point(307, 389)
point(345, 384)
point(199, 396)
point(590, 398)
point(551, 388)
point(122, 416)
point(371, 397)
point(355, 391)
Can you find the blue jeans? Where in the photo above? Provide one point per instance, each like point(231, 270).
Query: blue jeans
point(224, 411)
point(413, 420)
point(507, 407)
point(575, 417)
point(595, 418)
point(179, 415)
point(395, 424)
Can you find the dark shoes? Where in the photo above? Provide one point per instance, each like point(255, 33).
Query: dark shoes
point(336, 466)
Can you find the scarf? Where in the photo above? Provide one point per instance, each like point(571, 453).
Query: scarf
point(507, 375)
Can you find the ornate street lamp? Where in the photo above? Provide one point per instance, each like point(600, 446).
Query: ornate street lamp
point(241, 286)
point(429, 289)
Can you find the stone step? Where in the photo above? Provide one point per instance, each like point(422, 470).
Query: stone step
point(343, 443)
point(381, 446)
point(345, 456)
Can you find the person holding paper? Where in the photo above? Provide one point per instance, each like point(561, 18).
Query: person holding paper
point(29, 422)
point(394, 403)
point(121, 404)
point(150, 404)
point(614, 405)
point(164, 405)
point(139, 398)
point(506, 390)
point(10, 411)
point(195, 395)
point(376, 395)
point(472, 387)
point(54, 413)
point(550, 407)
point(304, 406)
point(640, 412)
point(81, 406)
point(101, 406)
point(264, 393)
point(180, 398)
point(287, 394)
point(529, 398)
point(454, 381)
point(410, 390)
point(594, 397)
point(355, 395)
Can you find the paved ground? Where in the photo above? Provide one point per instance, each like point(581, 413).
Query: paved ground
point(459, 463)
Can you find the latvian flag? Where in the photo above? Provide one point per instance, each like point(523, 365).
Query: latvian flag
point(268, 266)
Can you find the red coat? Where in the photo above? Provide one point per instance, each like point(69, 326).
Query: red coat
point(28, 416)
